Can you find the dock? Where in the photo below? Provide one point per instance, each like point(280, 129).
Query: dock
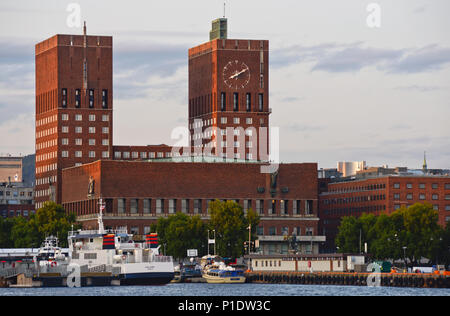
point(416, 280)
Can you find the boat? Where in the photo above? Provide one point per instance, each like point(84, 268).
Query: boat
point(217, 272)
point(129, 262)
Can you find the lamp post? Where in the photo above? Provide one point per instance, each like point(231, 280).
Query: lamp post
point(404, 256)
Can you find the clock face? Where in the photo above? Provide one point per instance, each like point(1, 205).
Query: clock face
point(236, 75)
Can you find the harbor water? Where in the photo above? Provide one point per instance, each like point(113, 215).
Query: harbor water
point(205, 289)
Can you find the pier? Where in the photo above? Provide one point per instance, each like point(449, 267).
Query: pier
point(417, 280)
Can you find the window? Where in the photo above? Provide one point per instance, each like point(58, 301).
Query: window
point(185, 206)
point(105, 130)
point(396, 207)
point(91, 117)
point(65, 129)
point(223, 120)
point(64, 117)
point(435, 197)
point(260, 207)
point(135, 155)
point(105, 118)
point(78, 154)
point(447, 186)
point(447, 207)
point(64, 154)
point(396, 185)
point(235, 101)
point(91, 98)
point(117, 155)
point(249, 120)
point(248, 102)
point(223, 101)
point(172, 206)
point(249, 156)
point(309, 231)
point(121, 206)
point(133, 206)
point(92, 130)
point(105, 142)
point(261, 81)
point(159, 206)
point(65, 141)
point(78, 141)
point(261, 102)
point(143, 155)
point(273, 208)
point(105, 154)
point(126, 155)
point(105, 98)
point(436, 207)
point(77, 98)
point(447, 197)
point(409, 186)
point(78, 117)
point(91, 154)
point(396, 196)
point(421, 196)
point(285, 231)
point(296, 207)
point(236, 120)
point(78, 130)
point(409, 196)
point(422, 186)
point(284, 207)
point(309, 207)
point(434, 186)
point(272, 231)
point(260, 230)
point(64, 98)
point(91, 142)
point(146, 206)
point(197, 206)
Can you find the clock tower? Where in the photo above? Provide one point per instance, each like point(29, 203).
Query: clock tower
point(229, 97)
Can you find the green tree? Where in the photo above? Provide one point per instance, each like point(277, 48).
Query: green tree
point(6, 225)
point(181, 232)
point(230, 224)
point(347, 239)
point(50, 220)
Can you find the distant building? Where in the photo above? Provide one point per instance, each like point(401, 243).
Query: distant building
point(10, 169)
point(350, 168)
point(377, 195)
point(16, 199)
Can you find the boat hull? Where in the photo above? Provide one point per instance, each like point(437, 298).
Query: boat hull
point(149, 278)
point(224, 280)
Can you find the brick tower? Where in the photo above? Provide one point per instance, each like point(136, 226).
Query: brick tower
point(229, 96)
point(74, 107)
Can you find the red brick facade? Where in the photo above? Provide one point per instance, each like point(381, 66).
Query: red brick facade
point(380, 195)
point(188, 188)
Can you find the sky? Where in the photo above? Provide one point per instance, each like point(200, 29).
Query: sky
point(350, 80)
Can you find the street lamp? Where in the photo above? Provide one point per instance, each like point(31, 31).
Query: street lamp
point(404, 255)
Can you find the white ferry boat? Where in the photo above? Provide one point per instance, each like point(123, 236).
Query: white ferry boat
point(121, 260)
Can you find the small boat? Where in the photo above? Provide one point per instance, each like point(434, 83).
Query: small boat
point(218, 272)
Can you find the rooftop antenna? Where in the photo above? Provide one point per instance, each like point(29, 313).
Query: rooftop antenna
point(84, 29)
point(224, 8)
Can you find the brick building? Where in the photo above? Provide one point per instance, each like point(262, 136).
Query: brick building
point(383, 194)
point(77, 163)
point(137, 193)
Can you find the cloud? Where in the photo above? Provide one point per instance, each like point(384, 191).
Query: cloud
point(344, 58)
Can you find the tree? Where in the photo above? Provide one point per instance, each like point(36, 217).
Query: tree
point(230, 224)
point(181, 232)
point(347, 238)
point(50, 220)
point(6, 225)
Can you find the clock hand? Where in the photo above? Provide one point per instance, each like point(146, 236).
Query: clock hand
point(238, 74)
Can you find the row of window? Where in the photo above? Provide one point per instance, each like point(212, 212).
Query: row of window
point(422, 196)
point(79, 130)
point(355, 199)
point(79, 117)
point(237, 107)
point(422, 186)
point(16, 193)
point(47, 132)
point(14, 213)
point(78, 97)
point(79, 142)
point(371, 187)
point(46, 168)
point(351, 211)
point(284, 206)
point(46, 120)
point(90, 154)
point(141, 155)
